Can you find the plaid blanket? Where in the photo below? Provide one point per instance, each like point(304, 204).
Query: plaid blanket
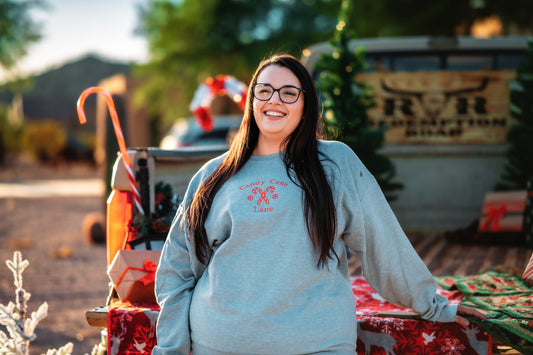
point(505, 299)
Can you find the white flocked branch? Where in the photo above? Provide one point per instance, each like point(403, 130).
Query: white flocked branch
point(20, 328)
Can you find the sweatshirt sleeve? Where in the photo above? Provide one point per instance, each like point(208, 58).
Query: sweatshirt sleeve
point(389, 262)
point(176, 277)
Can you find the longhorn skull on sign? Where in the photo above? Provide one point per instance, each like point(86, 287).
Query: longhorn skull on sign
point(433, 102)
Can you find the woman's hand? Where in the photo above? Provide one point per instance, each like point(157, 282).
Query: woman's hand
point(467, 311)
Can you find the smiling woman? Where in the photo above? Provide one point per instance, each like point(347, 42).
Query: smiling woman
point(244, 270)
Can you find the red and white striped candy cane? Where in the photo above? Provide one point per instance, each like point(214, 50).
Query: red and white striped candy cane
point(118, 134)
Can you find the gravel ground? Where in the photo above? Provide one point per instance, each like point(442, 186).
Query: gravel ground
point(66, 270)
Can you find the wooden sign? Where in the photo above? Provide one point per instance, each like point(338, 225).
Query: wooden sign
point(441, 107)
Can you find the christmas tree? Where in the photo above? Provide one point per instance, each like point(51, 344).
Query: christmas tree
point(519, 167)
point(347, 101)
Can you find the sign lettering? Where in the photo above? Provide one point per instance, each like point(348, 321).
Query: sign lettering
point(441, 107)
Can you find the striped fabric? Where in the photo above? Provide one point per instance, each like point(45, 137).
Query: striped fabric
point(528, 226)
point(528, 272)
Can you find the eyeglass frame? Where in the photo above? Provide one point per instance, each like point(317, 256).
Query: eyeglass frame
point(300, 90)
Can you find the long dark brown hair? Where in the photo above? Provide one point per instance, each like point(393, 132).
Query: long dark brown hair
point(302, 161)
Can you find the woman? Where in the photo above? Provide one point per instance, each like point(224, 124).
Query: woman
point(255, 262)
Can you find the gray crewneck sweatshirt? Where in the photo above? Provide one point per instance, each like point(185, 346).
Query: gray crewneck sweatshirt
point(262, 291)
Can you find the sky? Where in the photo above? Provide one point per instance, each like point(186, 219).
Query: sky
point(73, 28)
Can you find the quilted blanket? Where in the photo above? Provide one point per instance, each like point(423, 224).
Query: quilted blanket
point(505, 299)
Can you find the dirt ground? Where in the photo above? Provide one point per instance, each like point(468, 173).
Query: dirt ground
point(65, 270)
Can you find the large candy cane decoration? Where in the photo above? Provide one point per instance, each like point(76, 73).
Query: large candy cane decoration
point(118, 134)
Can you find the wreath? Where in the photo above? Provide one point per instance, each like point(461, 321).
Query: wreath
point(212, 87)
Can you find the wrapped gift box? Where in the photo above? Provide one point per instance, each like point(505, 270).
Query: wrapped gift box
point(503, 212)
point(132, 273)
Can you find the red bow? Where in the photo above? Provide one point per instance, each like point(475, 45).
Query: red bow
point(148, 266)
point(494, 216)
point(204, 118)
point(217, 84)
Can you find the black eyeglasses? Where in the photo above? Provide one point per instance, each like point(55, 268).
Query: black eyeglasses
point(288, 94)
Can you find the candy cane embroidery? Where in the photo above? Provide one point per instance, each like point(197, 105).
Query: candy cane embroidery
point(258, 190)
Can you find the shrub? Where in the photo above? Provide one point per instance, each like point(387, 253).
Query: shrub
point(10, 133)
point(44, 140)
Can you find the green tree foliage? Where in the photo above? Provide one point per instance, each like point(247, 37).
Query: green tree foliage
point(435, 18)
point(347, 101)
point(10, 133)
point(17, 30)
point(519, 166)
point(191, 40)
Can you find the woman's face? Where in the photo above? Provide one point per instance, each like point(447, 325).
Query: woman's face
point(276, 119)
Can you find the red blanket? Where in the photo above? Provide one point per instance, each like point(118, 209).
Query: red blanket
point(131, 329)
point(392, 335)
